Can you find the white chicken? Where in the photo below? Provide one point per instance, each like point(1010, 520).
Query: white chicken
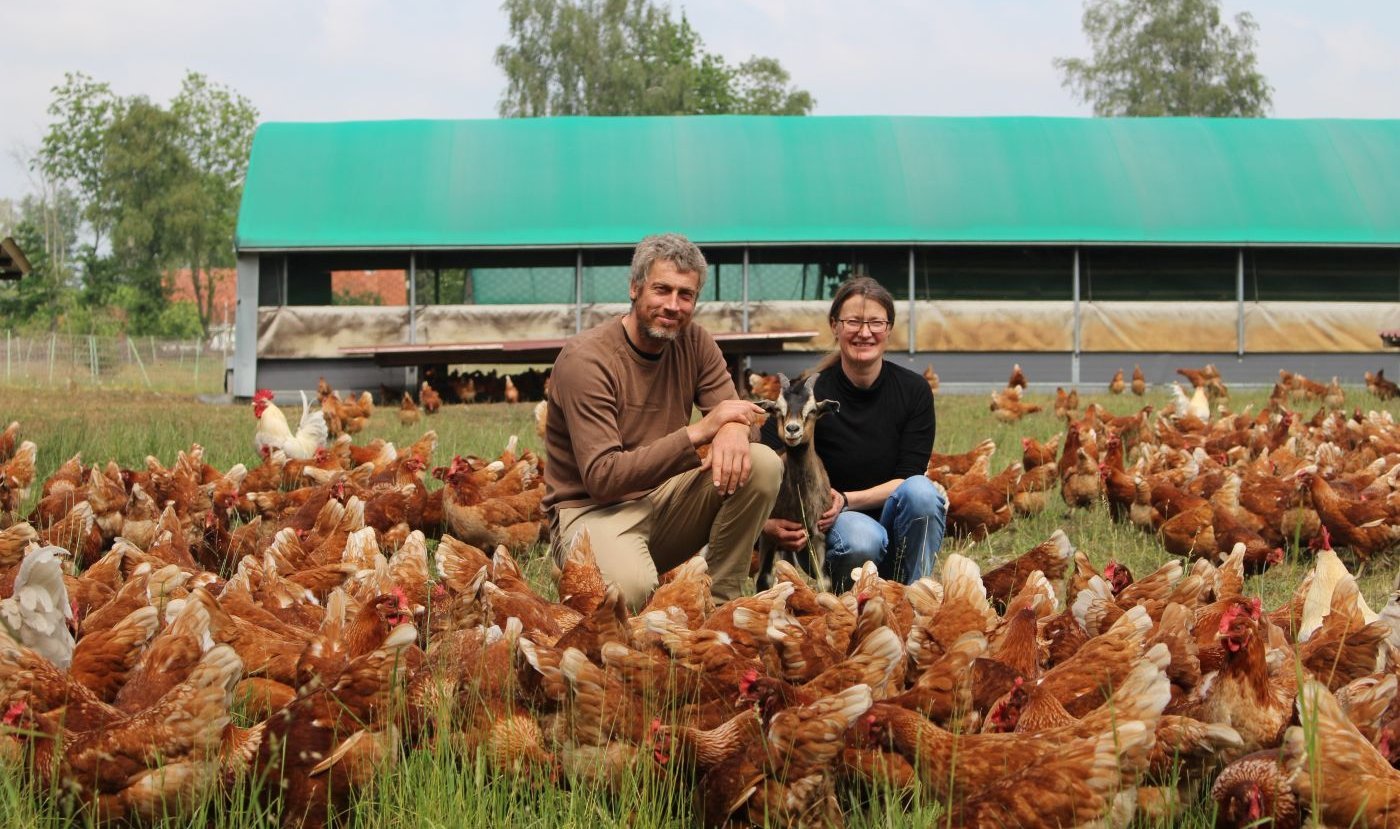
point(38, 613)
point(1196, 405)
point(274, 432)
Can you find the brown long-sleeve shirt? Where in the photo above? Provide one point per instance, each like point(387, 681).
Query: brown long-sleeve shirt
point(616, 425)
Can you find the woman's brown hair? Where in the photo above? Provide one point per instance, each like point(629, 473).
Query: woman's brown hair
point(854, 286)
point(861, 286)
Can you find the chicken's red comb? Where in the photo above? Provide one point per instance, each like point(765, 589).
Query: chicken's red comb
point(263, 394)
point(747, 680)
point(1228, 617)
point(655, 725)
point(13, 712)
point(1256, 607)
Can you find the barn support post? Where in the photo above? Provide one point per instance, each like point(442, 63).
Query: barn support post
point(245, 327)
point(1239, 304)
point(578, 291)
point(412, 298)
point(410, 373)
point(745, 280)
point(912, 327)
point(1074, 357)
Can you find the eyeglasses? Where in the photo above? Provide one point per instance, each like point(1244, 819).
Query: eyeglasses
point(854, 325)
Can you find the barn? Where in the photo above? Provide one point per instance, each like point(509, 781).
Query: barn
point(1072, 245)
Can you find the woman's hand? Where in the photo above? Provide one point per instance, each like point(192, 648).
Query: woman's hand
point(826, 519)
point(785, 535)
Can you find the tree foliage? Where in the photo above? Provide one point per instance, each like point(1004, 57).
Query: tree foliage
point(158, 189)
point(76, 142)
point(628, 57)
point(1167, 57)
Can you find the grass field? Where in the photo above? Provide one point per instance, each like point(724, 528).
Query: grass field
point(439, 788)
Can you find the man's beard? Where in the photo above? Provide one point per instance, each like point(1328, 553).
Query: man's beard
point(659, 333)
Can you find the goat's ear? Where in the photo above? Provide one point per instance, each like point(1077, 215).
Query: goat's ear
point(783, 382)
point(827, 407)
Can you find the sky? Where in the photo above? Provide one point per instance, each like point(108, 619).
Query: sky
point(331, 60)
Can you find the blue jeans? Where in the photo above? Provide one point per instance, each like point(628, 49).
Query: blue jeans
point(913, 517)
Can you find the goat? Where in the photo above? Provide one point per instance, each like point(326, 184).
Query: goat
point(805, 493)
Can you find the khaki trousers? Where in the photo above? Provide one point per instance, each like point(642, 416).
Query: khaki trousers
point(635, 540)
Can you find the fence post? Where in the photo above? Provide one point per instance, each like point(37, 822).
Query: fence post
point(7, 355)
point(92, 356)
point(53, 344)
point(198, 347)
point(139, 364)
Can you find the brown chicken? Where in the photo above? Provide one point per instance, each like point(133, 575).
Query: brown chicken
point(960, 464)
point(169, 659)
point(931, 377)
point(1382, 388)
point(104, 659)
point(1244, 694)
point(1074, 787)
point(1007, 406)
point(146, 766)
point(1116, 385)
point(1263, 786)
point(1348, 779)
point(763, 386)
point(1066, 404)
point(1139, 384)
point(961, 766)
point(1050, 557)
point(1034, 453)
point(409, 413)
point(428, 396)
point(1372, 535)
point(333, 736)
point(1082, 486)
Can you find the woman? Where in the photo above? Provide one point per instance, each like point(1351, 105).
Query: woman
point(875, 449)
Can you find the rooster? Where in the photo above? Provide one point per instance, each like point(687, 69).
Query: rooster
point(274, 432)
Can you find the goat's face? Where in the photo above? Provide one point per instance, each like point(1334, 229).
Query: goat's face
point(797, 409)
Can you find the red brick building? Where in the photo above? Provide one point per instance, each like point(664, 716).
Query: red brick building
point(389, 287)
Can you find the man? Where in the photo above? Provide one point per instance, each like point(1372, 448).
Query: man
point(622, 460)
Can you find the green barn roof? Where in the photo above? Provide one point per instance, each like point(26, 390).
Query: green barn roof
point(774, 180)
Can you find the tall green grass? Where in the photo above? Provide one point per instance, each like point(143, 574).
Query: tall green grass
point(438, 786)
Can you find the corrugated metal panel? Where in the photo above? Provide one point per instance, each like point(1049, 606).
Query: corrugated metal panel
point(736, 179)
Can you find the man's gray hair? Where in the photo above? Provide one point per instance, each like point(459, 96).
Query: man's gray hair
point(667, 247)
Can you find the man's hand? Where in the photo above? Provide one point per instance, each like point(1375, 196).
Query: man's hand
point(703, 431)
point(826, 519)
point(729, 458)
point(786, 535)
